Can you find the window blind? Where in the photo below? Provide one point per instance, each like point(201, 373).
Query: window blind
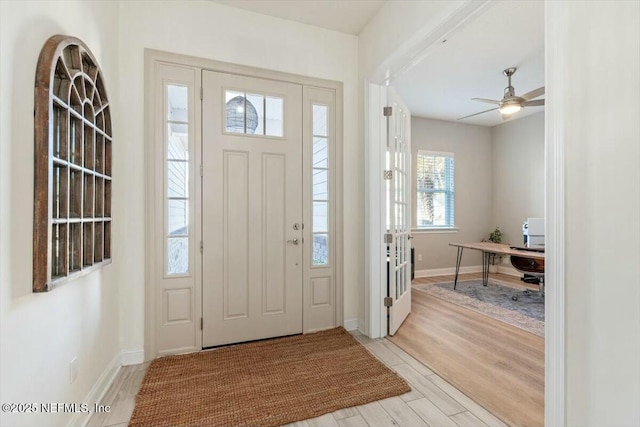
point(435, 190)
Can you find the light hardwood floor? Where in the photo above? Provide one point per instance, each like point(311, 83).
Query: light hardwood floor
point(498, 365)
point(431, 402)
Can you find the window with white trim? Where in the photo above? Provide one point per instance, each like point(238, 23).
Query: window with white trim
point(435, 198)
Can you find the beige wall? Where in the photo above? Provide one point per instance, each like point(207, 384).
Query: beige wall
point(499, 183)
point(518, 174)
point(473, 165)
point(600, 49)
point(41, 333)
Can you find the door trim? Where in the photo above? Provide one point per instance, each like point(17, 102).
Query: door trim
point(554, 343)
point(154, 57)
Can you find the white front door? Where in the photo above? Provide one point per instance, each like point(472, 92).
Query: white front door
point(398, 178)
point(252, 208)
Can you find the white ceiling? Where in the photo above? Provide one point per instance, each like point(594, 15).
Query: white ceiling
point(470, 63)
point(347, 16)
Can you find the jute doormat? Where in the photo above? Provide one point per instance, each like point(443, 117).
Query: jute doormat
point(266, 383)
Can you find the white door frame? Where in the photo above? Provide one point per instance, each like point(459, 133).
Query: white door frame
point(154, 57)
point(404, 59)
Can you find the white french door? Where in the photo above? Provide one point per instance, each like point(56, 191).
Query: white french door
point(252, 208)
point(397, 178)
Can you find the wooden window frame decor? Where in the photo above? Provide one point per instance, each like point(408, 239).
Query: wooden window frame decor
point(72, 170)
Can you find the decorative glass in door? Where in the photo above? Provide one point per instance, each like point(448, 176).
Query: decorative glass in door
point(253, 114)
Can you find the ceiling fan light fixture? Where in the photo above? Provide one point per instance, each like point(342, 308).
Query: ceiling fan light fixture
point(510, 102)
point(510, 108)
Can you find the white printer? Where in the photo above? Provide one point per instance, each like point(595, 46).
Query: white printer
point(533, 232)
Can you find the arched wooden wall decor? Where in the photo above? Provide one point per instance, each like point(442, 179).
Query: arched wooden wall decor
point(72, 176)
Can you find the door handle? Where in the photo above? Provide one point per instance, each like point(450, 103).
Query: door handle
point(293, 241)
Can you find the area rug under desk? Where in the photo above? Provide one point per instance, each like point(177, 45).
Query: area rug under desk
point(494, 301)
point(265, 383)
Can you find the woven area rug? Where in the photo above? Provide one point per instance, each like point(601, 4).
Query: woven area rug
point(495, 301)
point(265, 383)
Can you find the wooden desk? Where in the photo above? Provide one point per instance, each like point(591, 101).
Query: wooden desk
point(490, 250)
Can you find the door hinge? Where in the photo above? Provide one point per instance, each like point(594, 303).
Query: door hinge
point(388, 302)
point(201, 170)
point(387, 111)
point(388, 174)
point(201, 246)
point(201, 94)
point(388, 238)
point(201, 323)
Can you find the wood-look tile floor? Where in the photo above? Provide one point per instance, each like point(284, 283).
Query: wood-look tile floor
point(498, 365)
point(431, 402)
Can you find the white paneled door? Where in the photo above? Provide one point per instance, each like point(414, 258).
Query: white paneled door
point(252, 208)
point(397, 177)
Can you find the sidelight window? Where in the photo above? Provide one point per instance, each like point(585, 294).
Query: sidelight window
point(177, 182)
point(320, 182)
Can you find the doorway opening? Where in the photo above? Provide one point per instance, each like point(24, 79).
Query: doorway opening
point(491, 161)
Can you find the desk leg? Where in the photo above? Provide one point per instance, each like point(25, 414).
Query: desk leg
point(485, 268)
point(458, 260)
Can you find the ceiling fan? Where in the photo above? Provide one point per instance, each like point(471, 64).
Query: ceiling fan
point(511, 103)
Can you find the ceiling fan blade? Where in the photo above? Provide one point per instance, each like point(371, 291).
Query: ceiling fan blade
point(475, 114)
point(533, 94)
point(489, 101)
point(535, 103)
point(506, 116)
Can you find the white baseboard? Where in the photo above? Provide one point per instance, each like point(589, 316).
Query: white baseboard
point(361, 326)
point(98, 391)
point(449, 270)
point(351, 324)
point(132, 357)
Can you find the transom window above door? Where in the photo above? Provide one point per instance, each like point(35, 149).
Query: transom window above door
point(253, 114)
